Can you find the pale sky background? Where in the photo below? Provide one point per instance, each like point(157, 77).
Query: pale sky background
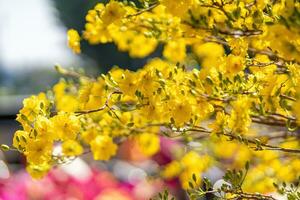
point(31, 36)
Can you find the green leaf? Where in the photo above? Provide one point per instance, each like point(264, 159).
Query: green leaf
point(191, 185)
point(131, 124)
point(5, 147)
point(209, 80)
point(194, 178)
point(247, 165)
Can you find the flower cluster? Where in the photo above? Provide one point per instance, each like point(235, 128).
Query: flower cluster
point(230, 71)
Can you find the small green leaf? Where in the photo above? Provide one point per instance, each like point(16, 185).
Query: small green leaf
point(5, 147)
point(194, 178)
point(191, 185)
point(247, 165)
point(130, 124)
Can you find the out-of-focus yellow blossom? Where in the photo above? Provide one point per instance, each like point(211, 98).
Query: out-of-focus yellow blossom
point(220, 123)
point(149, 143)
point(175, 51)
point(234, 64)
point(193, 163)
point(103, 147)
point(282, 40)
point(65, 97)
point(259, 181)
point(172, 169)
point(38, 171)
point(192, 158)
point(71, 148)
point(89, 134)
point(240, 120)
point(238, 46)
point(178, 8)
point(141, 46)
point(263, 71)
point(190, 164)
point(209, 53)
point(186, 176)
point(74, 40)
point(296, 110)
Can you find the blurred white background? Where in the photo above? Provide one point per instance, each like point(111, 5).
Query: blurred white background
point(31, 36)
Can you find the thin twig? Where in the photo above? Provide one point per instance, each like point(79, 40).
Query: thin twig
point(106, 105)
point(143, 10)
point(287, 97)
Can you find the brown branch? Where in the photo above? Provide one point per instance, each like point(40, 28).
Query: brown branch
point(287, 97)
point(283, 116)
point(219, 8)
point(269, 53)
point(267, 146)
point(106, 105)
point(255, 141)
point(266, 121)
point(256, 196)
point(71, 73)
point(143, 10)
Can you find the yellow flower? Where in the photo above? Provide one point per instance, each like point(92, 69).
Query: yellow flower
point(72, 148)
point(148, 143)
point(113, 12)
point(193, 163)
point(65, 97)
point(238, 46)
point(43, 127)
point(20, 139)
point(141, 46)
point(181, 111)
point(103, 147)
point(89, 134)
point(92, 95)
point(128, 83)
point(172, 170)
point(239, 120)
point(38, 151)
point(186, 176)
point(178, 8)
point(234, 64)
point(26, 124)
point(38, 171)
point(220, 123)
point(97, 33)
point(65, 126)
point(74, 40)
point(209, 53)
point(34, 106)
point(209, 49)
point(191, 159)
point(148, 82)
point(175, 51)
